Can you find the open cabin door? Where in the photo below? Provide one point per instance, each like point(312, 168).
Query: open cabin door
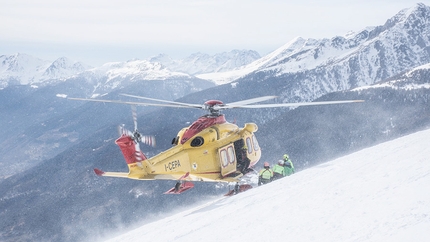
point(227, 158)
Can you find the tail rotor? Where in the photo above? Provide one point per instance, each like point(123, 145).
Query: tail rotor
point(136, 135)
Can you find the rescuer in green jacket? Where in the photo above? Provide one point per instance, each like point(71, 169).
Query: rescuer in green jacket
point(278, 170)
point(288, 165)
point(265, 175)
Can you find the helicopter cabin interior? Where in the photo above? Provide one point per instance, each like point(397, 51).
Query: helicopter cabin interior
point(238, 156)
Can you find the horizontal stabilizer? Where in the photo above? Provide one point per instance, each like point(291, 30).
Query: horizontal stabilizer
point(98, 172)
point(111, 174)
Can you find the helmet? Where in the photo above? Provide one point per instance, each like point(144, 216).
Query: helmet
point(281, 162)
point(266, 164)
point(286, 156)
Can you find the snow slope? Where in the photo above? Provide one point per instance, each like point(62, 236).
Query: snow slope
point(377, 194)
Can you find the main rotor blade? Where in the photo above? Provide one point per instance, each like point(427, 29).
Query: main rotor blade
point(278, 105)
point(249, 101)
point(133, 103)
point(164, 101)
point(134, 113)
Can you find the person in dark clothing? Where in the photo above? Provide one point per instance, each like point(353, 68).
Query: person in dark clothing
point(243, 161)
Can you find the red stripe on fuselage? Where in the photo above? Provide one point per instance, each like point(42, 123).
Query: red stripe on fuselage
point(201, 124)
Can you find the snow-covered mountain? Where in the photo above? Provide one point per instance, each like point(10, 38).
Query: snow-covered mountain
point(369, 195)
point(63, 68)
point(116, 75)
point(327, 64)
point(392, 108)
point(342, 62)
point(304, 70)
point(378, 52)
point(199, 63)
point(23, 69)
point(415, 79)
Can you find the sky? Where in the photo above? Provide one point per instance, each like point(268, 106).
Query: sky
point(100, 31)
point(376, 194)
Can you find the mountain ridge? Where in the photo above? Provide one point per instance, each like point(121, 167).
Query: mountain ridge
point(23, 69)
point(303, 55)
point(296, 56)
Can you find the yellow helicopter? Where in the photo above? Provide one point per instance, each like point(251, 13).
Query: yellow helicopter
point(209, 150)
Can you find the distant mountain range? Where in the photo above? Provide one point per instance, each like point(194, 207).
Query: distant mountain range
point(313, 67)
point(200, 63)
point(377, 52)
point(51, 144)
point(23, 69)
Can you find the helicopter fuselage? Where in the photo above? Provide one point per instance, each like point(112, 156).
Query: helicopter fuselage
point(207, 150)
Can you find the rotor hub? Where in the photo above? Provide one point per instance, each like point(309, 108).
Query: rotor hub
point(212, 105)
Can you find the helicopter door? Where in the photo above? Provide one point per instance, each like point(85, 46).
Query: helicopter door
point(227, 158)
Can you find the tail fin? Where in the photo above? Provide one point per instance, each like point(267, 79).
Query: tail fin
point(132, 154)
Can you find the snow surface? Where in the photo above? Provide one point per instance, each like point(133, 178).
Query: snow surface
point(377, 194)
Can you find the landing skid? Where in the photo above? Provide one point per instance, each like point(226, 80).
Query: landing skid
point(181, 186)
point(238, 189)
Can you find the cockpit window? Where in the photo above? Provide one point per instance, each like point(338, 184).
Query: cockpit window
point(254, 140)
point(249, 144)
point(175, 140)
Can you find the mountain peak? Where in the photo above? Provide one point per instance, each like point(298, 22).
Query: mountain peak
point(19, 62)
point(198, 62)
point(25, 69)
point(62, 68)
point(410, 17)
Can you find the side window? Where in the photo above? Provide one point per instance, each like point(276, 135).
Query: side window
point(224, 158)
point(197, 141)
point(249, 145)
point(254, 140)
point(231, 156)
